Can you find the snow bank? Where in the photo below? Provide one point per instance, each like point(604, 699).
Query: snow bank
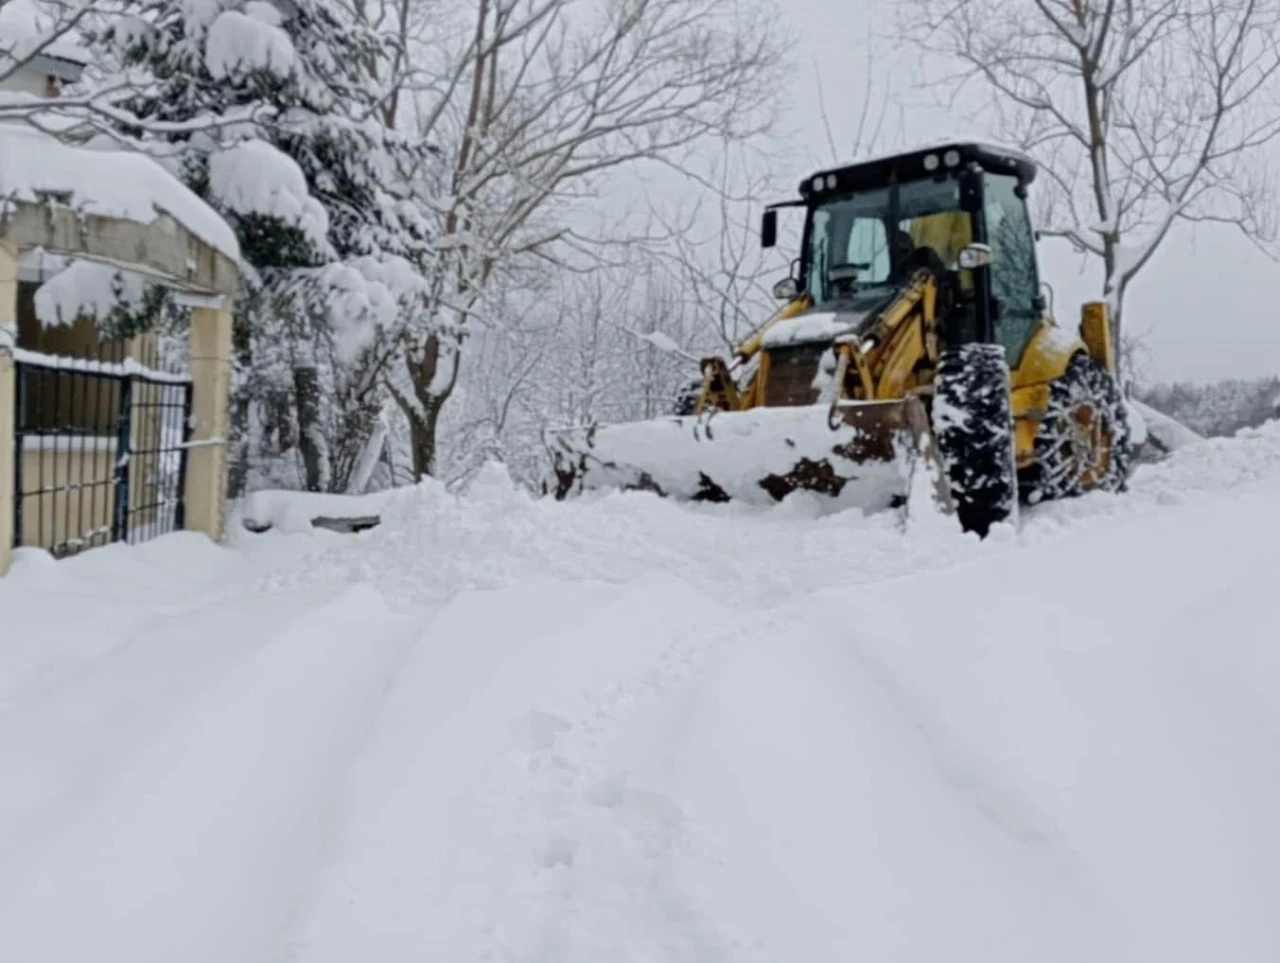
point(1169, 434)
point(500, 727)
point(109, 183)
point(433, 544)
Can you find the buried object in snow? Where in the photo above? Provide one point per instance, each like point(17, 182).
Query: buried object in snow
point(913, 337)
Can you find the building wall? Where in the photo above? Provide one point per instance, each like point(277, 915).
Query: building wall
point(27, 82)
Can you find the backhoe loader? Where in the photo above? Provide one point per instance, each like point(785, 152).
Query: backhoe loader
point(913, 356)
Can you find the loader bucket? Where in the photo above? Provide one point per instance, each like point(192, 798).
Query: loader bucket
point(858, 454)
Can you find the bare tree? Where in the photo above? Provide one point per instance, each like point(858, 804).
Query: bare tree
point(529, 110)
point(714, 247)
point(1142, 113)
point(869, 132)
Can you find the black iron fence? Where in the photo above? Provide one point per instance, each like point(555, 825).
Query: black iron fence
point(100, 450)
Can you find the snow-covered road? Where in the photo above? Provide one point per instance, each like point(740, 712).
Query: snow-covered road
point(496, 729)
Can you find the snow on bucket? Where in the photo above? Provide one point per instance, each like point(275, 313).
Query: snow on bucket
point(850, 452)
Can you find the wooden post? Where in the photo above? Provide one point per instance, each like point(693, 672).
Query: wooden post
point(8, 399)
point(206, 486)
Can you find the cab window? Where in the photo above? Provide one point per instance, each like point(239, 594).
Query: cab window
point(1014, 280)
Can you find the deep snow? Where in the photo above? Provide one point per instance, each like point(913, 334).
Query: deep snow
point(497, 728)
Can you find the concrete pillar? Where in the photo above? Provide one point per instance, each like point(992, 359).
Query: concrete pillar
point(206, 485)
point(8, 337)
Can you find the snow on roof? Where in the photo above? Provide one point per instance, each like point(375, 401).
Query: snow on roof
point(109, 183)
point(24, 27)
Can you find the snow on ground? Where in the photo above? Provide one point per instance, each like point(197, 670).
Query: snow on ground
point(499, 728)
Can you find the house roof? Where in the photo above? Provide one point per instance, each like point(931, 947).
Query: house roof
point(26, 28)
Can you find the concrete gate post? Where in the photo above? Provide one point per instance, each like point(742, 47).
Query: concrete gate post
point(210, 361)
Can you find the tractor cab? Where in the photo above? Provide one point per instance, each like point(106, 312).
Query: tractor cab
point(959, 209)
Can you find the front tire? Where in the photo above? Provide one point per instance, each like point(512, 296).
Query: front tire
point(1083, 442)
point(973, 423)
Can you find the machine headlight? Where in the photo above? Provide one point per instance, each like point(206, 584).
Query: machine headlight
point(974, 256)
point(951, 158)
point(931, 162)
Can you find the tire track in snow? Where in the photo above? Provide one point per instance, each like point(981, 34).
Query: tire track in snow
point(606, 848)
point(61, 745)
point(200, 847)
point(490, 821)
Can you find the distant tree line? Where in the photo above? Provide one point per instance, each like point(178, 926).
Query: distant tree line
point(1217, 408)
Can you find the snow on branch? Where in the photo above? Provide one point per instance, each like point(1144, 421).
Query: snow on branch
point(60, 67)
point(241, 43)
point(87, 289)
point(254, 178)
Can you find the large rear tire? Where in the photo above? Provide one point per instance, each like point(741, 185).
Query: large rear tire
point(973, 423)
point(1083, 442)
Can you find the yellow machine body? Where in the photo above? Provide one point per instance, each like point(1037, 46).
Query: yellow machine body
point(839, 398)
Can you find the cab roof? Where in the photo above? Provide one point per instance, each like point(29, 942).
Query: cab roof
point(910, 164)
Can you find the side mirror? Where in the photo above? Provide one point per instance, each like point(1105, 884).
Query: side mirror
point(786, 289)
point(974, 256)
point(769, 229)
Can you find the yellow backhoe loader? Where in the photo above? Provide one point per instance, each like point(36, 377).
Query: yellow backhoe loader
point(913, 336)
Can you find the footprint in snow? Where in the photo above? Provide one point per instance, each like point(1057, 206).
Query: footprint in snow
point(559, 850)
point(538, 731)
point(654, 820)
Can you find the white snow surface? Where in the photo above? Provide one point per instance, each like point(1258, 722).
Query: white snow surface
point(109, 183)
point(735, 450)
point(253, 177)
point(618, 728)
point(127, 367)
point(242, 43)
point(1171, 434)
point(809, 327)
point(87, 289)
point(293, 512)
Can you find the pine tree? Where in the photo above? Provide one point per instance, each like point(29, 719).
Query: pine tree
point(320, 192)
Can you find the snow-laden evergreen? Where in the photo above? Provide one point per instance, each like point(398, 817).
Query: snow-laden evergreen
point(320, 191)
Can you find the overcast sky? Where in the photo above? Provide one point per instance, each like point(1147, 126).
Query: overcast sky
point(1209, 299)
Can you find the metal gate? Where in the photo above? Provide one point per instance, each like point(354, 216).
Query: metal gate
point(101, 452)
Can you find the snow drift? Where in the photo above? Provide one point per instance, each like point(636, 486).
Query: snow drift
point(504, 728)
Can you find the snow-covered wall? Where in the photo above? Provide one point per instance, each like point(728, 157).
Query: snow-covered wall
point(35, 167)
